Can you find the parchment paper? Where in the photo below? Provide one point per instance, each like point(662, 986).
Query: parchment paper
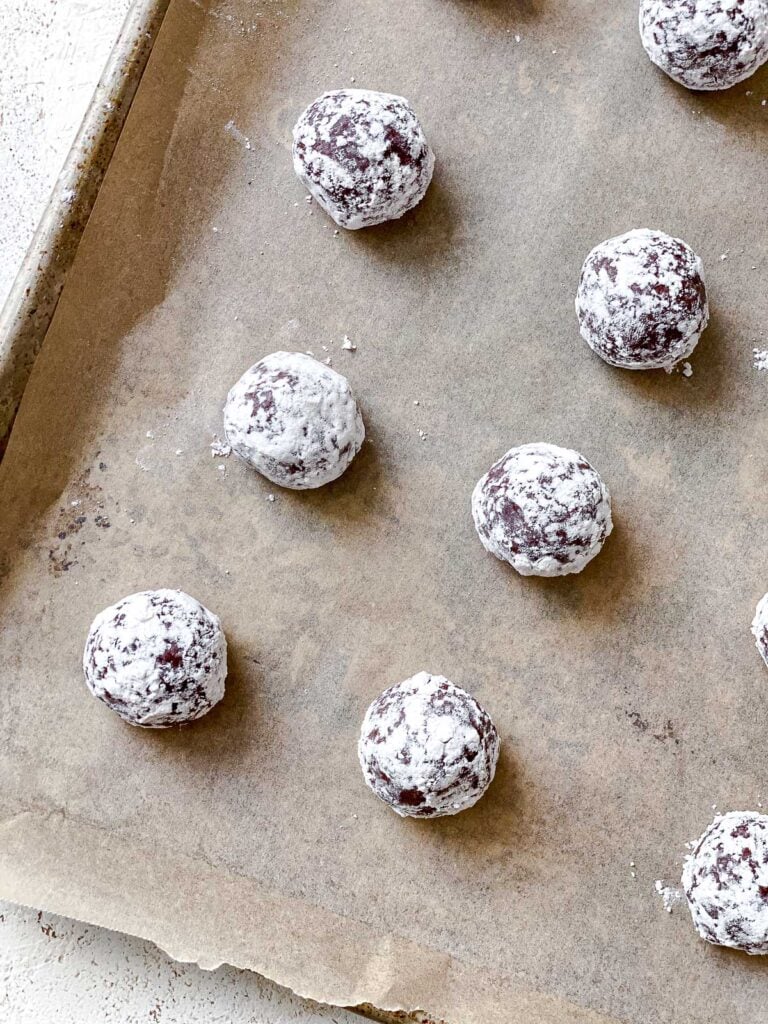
point(630, 698)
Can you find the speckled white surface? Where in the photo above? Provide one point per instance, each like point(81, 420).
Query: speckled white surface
point(53, 969)
point(52, 53)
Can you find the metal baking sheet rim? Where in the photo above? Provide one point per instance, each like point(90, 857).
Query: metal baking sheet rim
point(31, 303)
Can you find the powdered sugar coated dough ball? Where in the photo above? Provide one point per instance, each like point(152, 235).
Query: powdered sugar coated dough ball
point(543, 509)
point(641, 300)
point(760, 628)
point(427, 748)
point(363, 156)
point(295, 420)
point(157, 658)
point(725, 880)
point(706, 44)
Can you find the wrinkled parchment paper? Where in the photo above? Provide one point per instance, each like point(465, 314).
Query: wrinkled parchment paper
point(629, 698)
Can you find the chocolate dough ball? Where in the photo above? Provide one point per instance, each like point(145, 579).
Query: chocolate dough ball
point(363, 156)
point(543, 509)
point(157, 658)
point(760, 628)
point(295, 420)
point(641, 300)
point(706, 44)
point(725, 880)
point(427, 748)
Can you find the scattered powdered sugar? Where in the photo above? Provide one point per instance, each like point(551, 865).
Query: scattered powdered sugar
point(760, 358)
point(725, 880)
point(145, 458)
point(705, 44)
point(220, 449)
point(671, 896)
point(543, 509)
point(641, 301)
point(427, 748)
point(363, 156)
point(294, 420)
point(231, 129)
point(157, 658)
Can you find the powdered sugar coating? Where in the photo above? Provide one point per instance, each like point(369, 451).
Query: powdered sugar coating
point(295, 420)
point(641, 300)
point(706, 44)
point(725, 880)
point(760, 627)
point(363, 156)
point(427, 748)
point(157, 658)
point(543, 509)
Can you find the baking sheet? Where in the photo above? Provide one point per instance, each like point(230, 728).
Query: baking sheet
point(28, 310)
point(629, 698)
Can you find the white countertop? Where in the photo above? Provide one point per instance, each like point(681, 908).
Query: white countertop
point(56, 970)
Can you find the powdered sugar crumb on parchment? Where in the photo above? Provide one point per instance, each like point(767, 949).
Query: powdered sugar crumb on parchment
point(220, 449)
point(760, 358)
point(670, 895)
point(231, 129)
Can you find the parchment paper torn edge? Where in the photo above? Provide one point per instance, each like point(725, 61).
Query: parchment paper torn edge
point(53, 862)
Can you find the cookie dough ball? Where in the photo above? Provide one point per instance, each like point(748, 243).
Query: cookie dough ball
point(157, 658)
point(725, 881)
point(641, 301)
point(427, 748)
point(295, 420)
point(543, 509)
point(706, 44)
point(363, 156)
point(760, 628)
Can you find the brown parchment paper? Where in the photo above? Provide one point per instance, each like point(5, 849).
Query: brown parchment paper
point(629, 698)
